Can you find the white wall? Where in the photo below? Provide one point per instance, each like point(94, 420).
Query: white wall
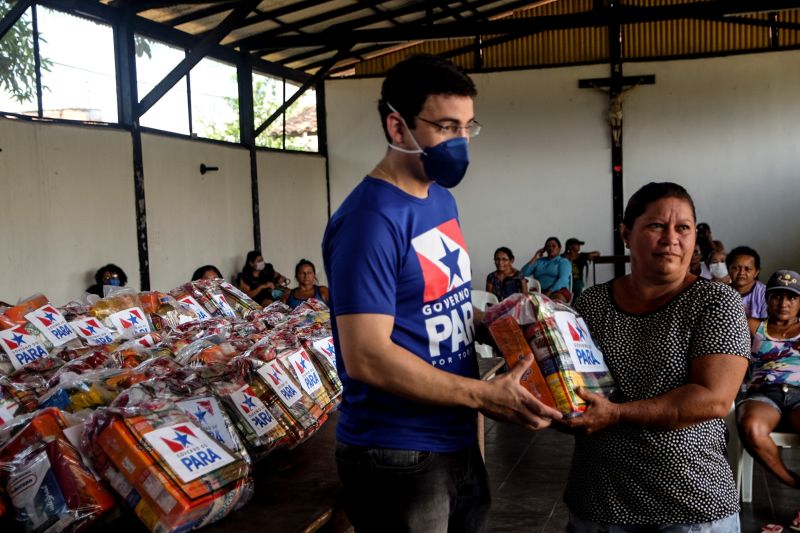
point(294, 209)
point(726, 128)
point(195, 219)
point(66, 208)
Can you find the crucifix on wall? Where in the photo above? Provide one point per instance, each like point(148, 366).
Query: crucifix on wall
point(617, 86)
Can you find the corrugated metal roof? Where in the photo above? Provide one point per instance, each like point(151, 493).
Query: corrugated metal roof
point(372, 35)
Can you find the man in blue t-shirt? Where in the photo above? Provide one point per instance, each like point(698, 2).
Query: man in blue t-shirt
point(403, 322)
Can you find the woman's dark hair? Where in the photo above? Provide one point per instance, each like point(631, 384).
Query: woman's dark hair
point(652, 192)
point(251, 256)
point(113, 269)
point(198, 274)
point(506, 250)
point(300, 264)
point(743, 251)
point(409, 83)
point(558, 242)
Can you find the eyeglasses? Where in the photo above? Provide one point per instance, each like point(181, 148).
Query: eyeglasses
point(472, 129)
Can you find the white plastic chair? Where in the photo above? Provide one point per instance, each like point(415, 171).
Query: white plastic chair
point(482, 300)
point(533, 284)
point(745, 470)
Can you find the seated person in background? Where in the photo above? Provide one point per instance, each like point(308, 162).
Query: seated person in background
point(744, 264)
point(697, 266)
point(553, 272)
point(717, 267)
point(705, 240)
point(580, 261)
point(773, 396)
point(506, 280)
point(306, 275)
point(109, 274)
point(206, 272)
point(259, 279)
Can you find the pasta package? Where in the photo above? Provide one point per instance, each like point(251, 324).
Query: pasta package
point(512, 344)
point(565, 352)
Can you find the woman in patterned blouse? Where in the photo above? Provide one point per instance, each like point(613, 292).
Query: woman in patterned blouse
point(506, 280)
point(773, 396)
point(652, 458)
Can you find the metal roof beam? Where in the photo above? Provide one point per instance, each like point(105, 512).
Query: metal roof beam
point(198, 52)
point(280, 11)
point(405, 10)
point(585, 19)
point(196, 15)
point(144, 5)
point(359, 53)
point(765, 23)
point(13, 16)
point(300, 24)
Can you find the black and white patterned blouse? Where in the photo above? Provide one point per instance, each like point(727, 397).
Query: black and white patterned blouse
point(632, 475)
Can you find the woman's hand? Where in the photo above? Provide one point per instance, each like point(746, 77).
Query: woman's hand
point(600, 413)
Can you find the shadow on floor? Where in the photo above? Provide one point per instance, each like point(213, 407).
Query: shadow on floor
point(528, 474)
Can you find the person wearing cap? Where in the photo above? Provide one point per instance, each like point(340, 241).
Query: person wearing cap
point(773, 395)
point(580, 261)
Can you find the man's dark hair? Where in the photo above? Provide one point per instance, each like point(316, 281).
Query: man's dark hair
point(652, 192)
point(743, 251)
point(113, 269)
point(409, 83)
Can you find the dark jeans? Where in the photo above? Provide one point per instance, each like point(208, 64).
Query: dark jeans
point(390, 490)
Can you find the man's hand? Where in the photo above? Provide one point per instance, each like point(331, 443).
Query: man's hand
point(504, 398)
point(600, 413)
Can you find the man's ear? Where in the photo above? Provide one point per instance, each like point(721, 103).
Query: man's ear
point(395, 127)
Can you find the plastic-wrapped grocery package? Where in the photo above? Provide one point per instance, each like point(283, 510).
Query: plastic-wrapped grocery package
point(186, 390)
point(242, 303)
point(170, 314)
point(122, 311)
point(252, 406)
point(300, 408)
point(318, 341)
point(30, 330)
point(45, 478)
point(223, 306)
point(206, 351)
point(273, 315)
point(27, 384)
point(562, 344)
point(177, 477)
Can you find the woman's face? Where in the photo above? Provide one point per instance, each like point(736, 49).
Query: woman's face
point(743, 272)
point(662, 240)
point(502, 262)
point(552, 248)
point(210, 274)
point(783, 305)
point(716, 257)
point(256, 261)
point(306, 276)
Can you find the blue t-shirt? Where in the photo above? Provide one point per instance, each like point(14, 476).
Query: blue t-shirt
point(553, 274)
point(387, 252)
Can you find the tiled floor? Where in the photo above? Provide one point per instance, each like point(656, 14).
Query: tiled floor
point(528, 473)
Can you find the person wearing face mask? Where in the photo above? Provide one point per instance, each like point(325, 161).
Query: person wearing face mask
point(403, 324)
point(109, 274)
point(260, 281)
point(718, 268)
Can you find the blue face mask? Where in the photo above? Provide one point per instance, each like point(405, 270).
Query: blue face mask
point(116, 282)
point(446, 163)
